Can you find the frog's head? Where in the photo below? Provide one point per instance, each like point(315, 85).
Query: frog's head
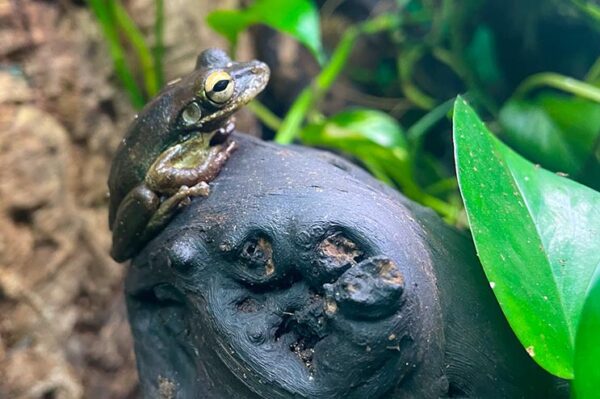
point(205, 99)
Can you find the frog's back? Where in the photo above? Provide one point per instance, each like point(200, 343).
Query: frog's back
point(147, 136)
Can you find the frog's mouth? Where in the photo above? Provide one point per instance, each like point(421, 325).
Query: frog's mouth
point(250, 79)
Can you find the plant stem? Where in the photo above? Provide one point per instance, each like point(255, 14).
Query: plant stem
point(404, 65)
point(265, 115)
point(593, 75)
point(376, 170)
point(417, 131)
point(103, 15)
point(144, 55)
point(557, 81)
point(401, 173)
point(322, 82)
point(590, 9)
point(293, 119)
point(442, 186)
point(159, 45)
point(447, 211)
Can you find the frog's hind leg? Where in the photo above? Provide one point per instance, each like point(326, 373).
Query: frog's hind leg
point(131, 220)
point(171, 205)
point(142, 215)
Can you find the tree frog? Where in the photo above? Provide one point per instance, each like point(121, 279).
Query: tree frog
point(176, 145)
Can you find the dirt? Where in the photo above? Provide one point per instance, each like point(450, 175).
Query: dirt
point(64, 331)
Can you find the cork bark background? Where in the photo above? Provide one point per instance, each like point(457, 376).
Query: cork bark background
point(63, 329)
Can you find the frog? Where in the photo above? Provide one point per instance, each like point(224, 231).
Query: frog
point(176, 146)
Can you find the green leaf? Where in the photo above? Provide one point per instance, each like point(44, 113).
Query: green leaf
point(106, 20)
point(481, 53)
point(372, 136)
point(357, 126)
point(536, 234)
point(229, 23)
point(378, 141)
point(297, 18)
point(587, 349)
point(557, 131)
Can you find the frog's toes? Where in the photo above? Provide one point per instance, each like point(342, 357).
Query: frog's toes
point(231, 147)
point(183, 196)
point(184, 201)
point(201, 189)
point(371, 289)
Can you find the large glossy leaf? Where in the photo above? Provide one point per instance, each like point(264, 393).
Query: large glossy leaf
point(297, 18)
point(587, 345)
point(557, 131)
point(536, 234)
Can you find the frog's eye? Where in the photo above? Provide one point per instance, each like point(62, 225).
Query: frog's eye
point(219, 87)
point(191, 114)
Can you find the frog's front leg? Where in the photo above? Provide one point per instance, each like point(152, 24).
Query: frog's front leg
point(133, 215)
point(176, 167)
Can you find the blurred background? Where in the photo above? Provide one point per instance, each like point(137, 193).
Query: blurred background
point(372, 80)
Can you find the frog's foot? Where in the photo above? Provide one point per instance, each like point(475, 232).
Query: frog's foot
point(185, 193)
point(183, 197)
point(230, 148)
point(172, 204)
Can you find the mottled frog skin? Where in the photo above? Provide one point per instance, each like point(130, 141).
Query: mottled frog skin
point(176, 146)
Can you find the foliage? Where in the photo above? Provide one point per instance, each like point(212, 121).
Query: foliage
point(587, 350)
point(557, 131)
point(298, 18)
point(532, 71)
point(383, 162)
point(322, 82)
point(380, 143)
point(547, 262)
point(114, 20)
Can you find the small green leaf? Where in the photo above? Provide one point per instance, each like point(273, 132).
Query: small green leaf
point(587, 347)
point(536, 234)
point(372, 136)
point(228, 23)
point(481, 52)
point(357, 126)
point(297, 18)
point(557, 131)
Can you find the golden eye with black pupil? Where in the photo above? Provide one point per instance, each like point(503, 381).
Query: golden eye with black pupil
point(219, 87)
point(191, 114)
